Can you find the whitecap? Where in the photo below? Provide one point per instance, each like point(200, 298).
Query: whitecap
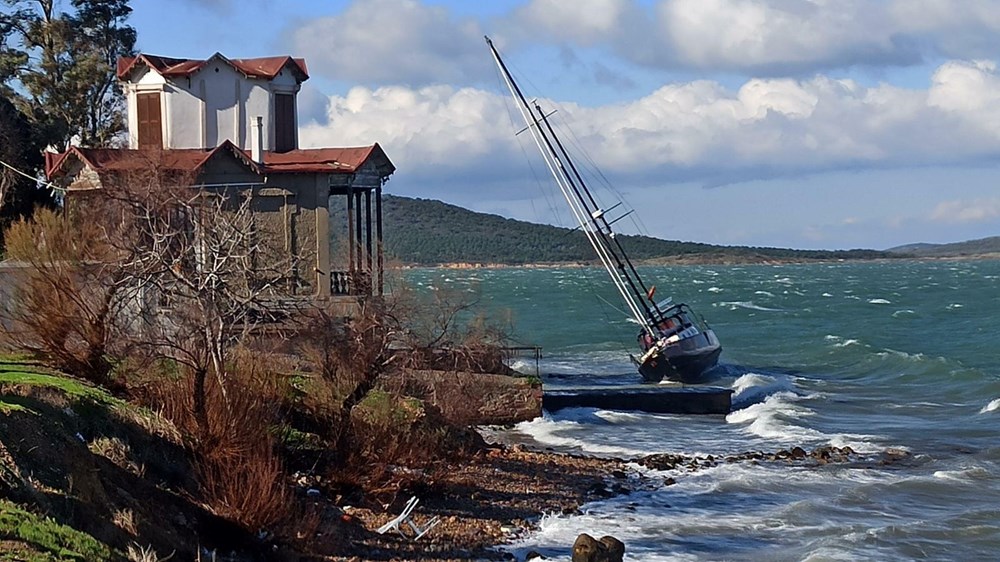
point(733, 305)
point(991, 407)
point(714, 290)
point(955, 305)
point(904, 312)
point(964, 475)
point(765, 293)
point(549, 431)
point(827, 295)
point(846, 343)
point(878, 301)
point(524, 366)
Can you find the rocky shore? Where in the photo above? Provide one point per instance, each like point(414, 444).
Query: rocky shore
point(501, 494)
point(490, 501)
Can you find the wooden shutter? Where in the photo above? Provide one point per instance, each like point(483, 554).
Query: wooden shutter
point(284, 122)
point(150, 123)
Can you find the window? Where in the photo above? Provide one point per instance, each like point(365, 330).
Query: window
point(150, 123)
point(284, 122)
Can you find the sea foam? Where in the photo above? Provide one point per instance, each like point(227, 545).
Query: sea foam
point(991, 407)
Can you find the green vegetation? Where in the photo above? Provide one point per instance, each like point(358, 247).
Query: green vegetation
point(32, 538)
point(978, 247)
point(427, 232)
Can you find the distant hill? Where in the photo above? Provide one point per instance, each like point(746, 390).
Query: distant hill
point(429, 232)
point(982, 246)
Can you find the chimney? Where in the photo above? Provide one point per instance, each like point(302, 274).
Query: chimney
point(257, 140)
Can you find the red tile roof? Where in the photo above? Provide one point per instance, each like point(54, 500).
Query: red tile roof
point(264, 67)
point(315, 160)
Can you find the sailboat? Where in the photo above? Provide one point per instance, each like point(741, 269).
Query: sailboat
point(674, 342)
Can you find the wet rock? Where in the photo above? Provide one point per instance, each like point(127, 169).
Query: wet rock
point(588, 549)
point(532, 555)
point(798, 453)
point(893, 455)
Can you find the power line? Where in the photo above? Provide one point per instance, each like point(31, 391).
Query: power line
point(37, 181)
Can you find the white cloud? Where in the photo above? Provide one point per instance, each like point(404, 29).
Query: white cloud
point(392, 42)
point(769, 37)
point(584, 22)
point(773, 34)
point(967, 211)
point(698, 131)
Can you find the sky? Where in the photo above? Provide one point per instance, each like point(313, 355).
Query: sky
point(814, 124)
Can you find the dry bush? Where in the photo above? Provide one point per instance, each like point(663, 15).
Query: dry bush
point(347, 355)
point(442, 333)
point(240, 473)
point(71, 299)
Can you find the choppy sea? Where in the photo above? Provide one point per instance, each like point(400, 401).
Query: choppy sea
point(874, 356)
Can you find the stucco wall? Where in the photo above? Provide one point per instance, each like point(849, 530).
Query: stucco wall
point(212, 105)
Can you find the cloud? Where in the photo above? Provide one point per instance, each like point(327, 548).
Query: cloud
point(767, 37)
point(697, 131)
point(967, 211)
point(392, 42)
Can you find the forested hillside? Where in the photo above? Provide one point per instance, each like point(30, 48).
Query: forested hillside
point(428, 232)
point(981, 246)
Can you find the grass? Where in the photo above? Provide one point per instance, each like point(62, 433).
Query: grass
point(22, 371)
point(44, 540)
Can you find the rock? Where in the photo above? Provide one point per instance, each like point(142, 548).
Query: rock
point(615, 548)
point(588, 549)
point(585, 548)
point(532, 555)
point(798, 453)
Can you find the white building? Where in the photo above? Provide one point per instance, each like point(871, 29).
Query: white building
point(232, 123)
point(184, 103)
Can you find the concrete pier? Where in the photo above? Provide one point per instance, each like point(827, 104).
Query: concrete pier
point(654, 399)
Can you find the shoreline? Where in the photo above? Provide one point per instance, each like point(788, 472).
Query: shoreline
point(500, 496)
point(694, 260)
point(486, 504)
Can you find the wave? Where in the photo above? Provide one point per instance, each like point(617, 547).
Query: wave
point(714, 290)
point(904, 312)
point(991, 407)
point(878, 301)
point(549, 431)
point(524, 366)
point(733, 305)
point(967, 475)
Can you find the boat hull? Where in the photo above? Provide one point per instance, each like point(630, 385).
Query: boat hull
point(682, 366)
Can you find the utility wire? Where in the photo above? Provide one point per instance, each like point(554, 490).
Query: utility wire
point(37, 181)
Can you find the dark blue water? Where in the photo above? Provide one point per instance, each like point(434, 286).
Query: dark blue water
point(872, 355)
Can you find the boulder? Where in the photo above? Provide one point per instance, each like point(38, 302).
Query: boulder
point(588, 549)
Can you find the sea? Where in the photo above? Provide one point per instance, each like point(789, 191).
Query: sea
point(877, 356)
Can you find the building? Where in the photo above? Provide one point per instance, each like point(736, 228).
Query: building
point(232, 124)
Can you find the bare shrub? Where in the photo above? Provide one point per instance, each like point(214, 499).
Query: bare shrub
point(443, 333)
point(348, 357)
point(237, 464)
point(71, 296)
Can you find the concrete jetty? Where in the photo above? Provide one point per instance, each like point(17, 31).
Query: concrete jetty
point(659, 399)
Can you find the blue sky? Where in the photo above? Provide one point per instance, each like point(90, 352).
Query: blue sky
point(793, 123)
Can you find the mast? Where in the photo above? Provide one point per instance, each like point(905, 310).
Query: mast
point(585, 209)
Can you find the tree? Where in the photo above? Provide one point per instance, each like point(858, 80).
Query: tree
point(20, 149)
point(207, 273)
point(60, 66)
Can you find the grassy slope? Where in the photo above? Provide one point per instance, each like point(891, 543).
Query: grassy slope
point(24, 534)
